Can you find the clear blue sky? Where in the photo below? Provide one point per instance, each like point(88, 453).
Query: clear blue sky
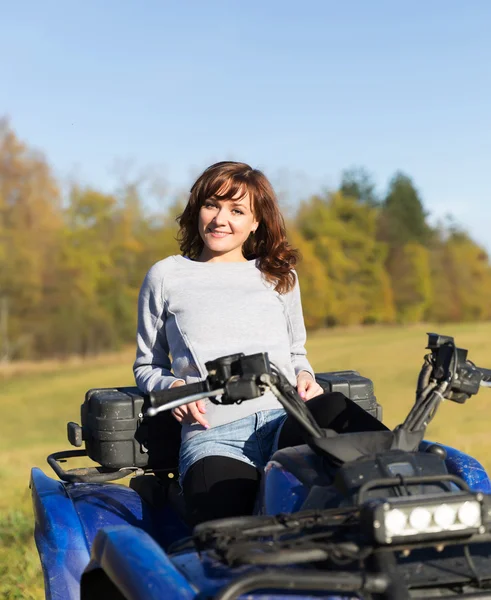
point(302, 89)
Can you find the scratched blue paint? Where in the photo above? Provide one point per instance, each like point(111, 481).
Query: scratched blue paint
point(104, 505)
point(68, 517)
point(59, 536)
point(467, 467)
point(464, 466)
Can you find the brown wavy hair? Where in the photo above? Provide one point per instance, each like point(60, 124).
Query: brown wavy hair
point(275, 258)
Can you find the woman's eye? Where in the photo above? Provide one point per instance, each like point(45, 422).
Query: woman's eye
point(209, 204)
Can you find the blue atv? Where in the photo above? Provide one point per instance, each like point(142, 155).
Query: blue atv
point(379, 514)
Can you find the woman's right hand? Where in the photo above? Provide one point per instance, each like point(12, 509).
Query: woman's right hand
point(190, 413)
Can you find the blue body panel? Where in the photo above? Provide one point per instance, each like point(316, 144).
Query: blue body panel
point(142, 570)
point(282, 492)
point(104, 505)
point(128, 538)
point(138, 566)
point(68, 517)
point(469, 469)
point(59, 536)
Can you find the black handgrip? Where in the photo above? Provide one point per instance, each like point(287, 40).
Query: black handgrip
point(164, 396)
point(486, 374)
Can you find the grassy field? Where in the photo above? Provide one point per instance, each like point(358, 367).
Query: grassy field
point(38, 400)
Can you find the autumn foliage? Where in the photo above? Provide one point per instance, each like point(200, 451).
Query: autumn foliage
point(71, 267)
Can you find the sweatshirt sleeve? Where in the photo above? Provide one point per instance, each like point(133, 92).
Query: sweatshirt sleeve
point(152, 367)
point(297, 332)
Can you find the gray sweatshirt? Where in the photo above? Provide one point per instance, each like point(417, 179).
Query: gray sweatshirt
point(196, 312)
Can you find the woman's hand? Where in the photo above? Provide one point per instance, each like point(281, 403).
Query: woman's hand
point(190, 413)
point(307, 386)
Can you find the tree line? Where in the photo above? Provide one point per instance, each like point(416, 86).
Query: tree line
point(71, 267)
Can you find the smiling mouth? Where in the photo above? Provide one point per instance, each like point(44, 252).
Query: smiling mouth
point(218, 234)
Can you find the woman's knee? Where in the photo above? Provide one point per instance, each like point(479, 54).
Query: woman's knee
point(218, 486)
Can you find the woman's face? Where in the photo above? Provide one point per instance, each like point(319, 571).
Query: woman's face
point(224, 226)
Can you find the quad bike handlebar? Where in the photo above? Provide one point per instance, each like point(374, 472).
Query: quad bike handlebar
point(486, 375)
point(445, 374)
point(234, 379)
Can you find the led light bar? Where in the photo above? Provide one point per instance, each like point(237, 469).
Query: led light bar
point(415, 518)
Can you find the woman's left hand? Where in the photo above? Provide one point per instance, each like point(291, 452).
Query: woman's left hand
point(307, 386)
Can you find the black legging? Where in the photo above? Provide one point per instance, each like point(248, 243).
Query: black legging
point(217, 486)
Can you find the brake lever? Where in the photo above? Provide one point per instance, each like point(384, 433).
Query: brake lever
point(152, 411)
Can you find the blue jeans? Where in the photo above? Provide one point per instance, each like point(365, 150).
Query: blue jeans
point(252, 440)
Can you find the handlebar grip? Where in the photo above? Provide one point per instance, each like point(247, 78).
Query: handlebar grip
point(486, 374)
point(162, 397)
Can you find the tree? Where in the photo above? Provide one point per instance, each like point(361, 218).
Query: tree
point(402, 226)
point(81, 320)
point(317, 294)
point(30, 225)
point(342, 232)
point(358, 183)
point(403, 218)
point(411, 281)
point(464, 280)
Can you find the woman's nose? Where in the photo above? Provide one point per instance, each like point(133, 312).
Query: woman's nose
point(220, 217)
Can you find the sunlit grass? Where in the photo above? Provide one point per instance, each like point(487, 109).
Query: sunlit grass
point(37, 402)
point(19, 562)
point(36, 405)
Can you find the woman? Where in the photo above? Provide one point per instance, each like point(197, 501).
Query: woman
point(234, 289)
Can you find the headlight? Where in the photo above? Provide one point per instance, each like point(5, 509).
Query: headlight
point(419, 519)
point(395, 521)
point(424, 517)
point(445, 515)
point(470, 514)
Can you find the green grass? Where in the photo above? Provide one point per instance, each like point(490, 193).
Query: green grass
point(20, 572)
point(36, 406)
point(35, 410)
